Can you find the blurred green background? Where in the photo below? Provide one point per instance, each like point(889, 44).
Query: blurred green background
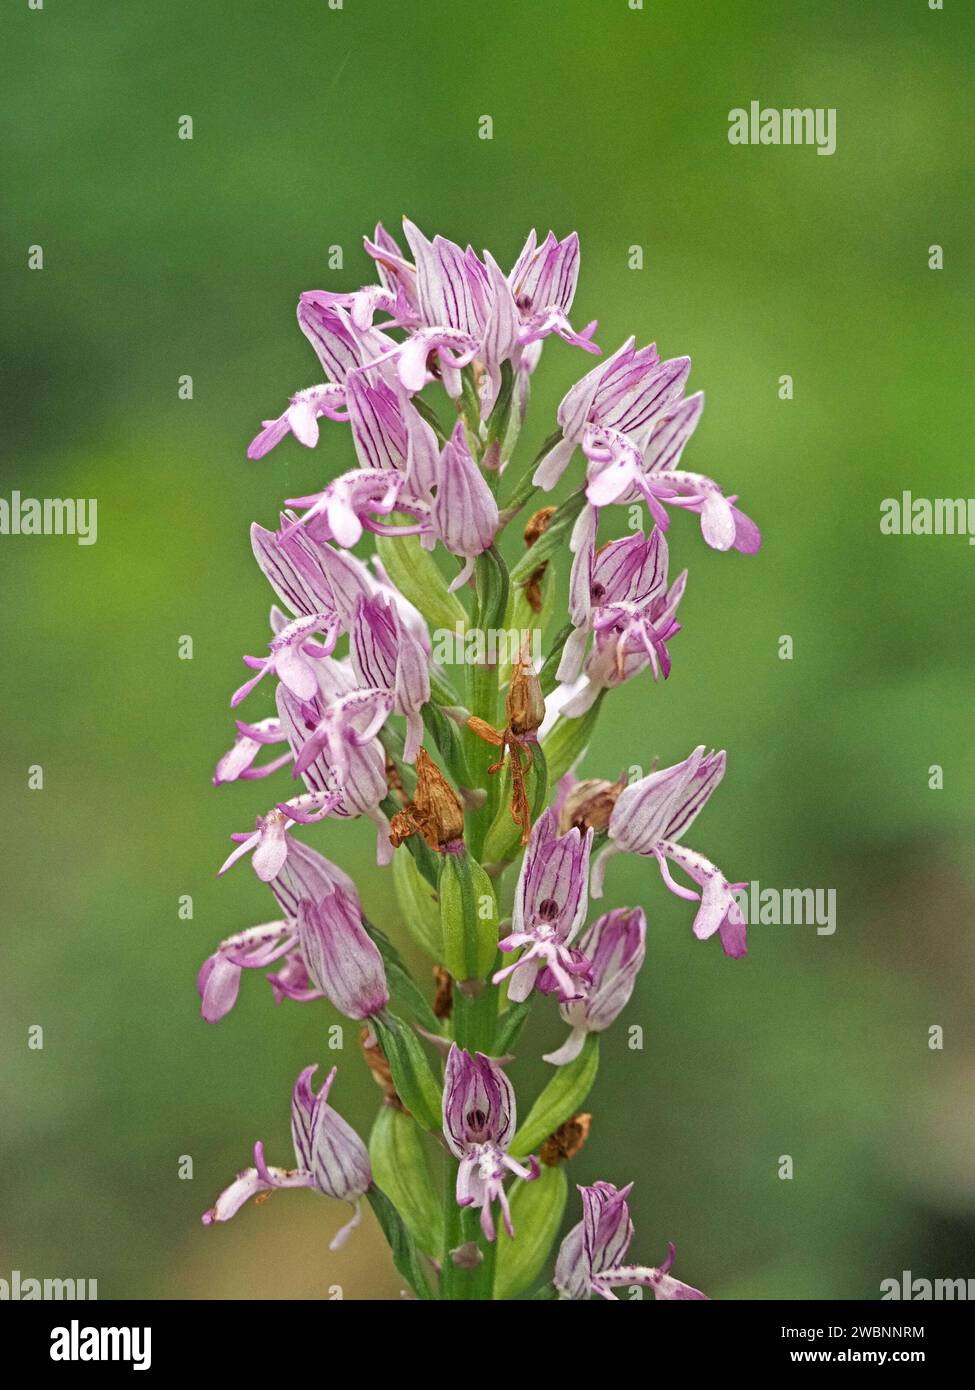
point(164, 257)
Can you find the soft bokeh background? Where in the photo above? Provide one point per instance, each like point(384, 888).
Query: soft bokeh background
point(165, 257)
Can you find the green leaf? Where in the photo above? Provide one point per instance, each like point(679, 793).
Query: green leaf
point(475, 1018)
point(498, 420)
point(491, 585)
point(470, 403)
point(400, 1167)
point(405, 1256)
point(392, 742)
point(547, 677)
point(536, 1214)
point(560, 1099)
point(568, 740)
point(547, 1291)
point(418, 904)
point(401, 983)
point(430, 416)
point(416, 847)
point(442, 688)
point(412, 1077)
point(509, 1025)
point(415, 573)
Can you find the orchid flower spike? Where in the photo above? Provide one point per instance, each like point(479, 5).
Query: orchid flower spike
point(361, 679)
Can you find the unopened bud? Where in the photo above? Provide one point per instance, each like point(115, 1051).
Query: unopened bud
point(435, 811)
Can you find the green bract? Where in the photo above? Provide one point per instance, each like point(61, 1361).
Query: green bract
point(468, 917)
point(560, 1099)
point(536, 1214)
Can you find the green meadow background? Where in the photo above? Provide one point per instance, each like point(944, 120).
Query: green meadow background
point(164, 257)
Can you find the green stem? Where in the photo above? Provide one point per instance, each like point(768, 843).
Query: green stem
point(476, 1018)
point(491, 582)
point(462, 1227)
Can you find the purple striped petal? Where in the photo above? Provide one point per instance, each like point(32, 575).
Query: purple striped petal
point(465, 513)
point(342, 959)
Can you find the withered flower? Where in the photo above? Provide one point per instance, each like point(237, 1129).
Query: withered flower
point(537, 525)
point(524, 711)
point(395, 782)
point(443, 1004)
point(435, 811)
point(566, 1142)
point(376, 1062)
